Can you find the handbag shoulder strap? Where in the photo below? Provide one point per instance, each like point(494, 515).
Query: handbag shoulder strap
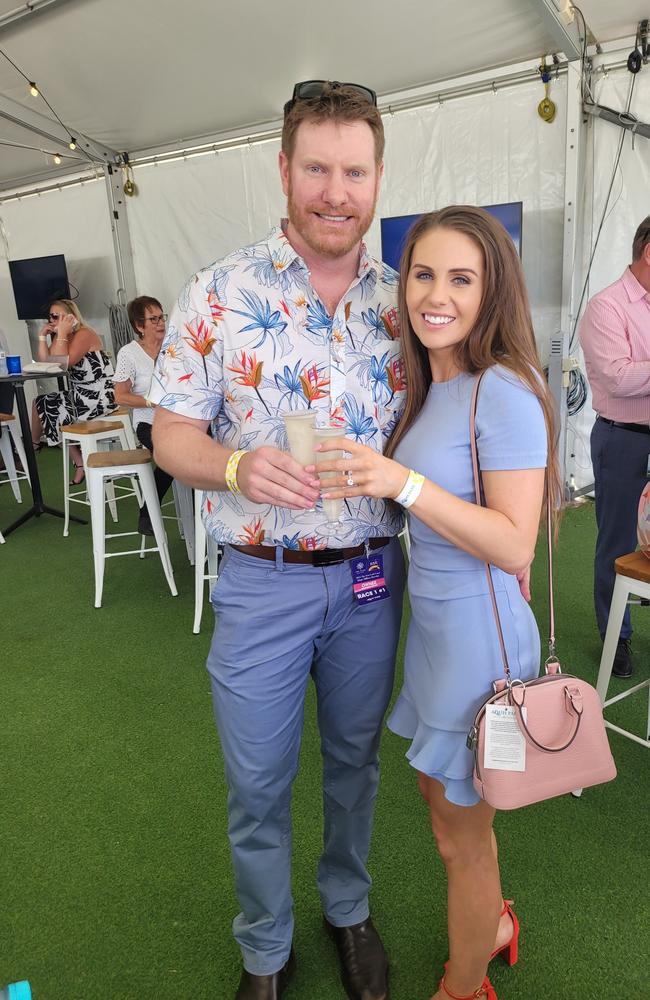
point(479, 500)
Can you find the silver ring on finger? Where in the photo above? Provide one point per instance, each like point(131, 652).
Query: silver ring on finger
point(350, 481)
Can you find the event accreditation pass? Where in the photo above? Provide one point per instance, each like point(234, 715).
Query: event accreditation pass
point(505, 744)
point(368, 581)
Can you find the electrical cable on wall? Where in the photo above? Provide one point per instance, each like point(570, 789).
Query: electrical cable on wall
point(120, 326)
point(617, 159)
point(625, 120)
point(576, 396)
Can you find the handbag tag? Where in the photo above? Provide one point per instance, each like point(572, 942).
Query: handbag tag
point(505, 744)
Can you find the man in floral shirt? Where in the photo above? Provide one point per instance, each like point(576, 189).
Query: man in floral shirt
point(304, 320)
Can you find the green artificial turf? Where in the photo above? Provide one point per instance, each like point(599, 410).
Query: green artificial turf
point(114, 866)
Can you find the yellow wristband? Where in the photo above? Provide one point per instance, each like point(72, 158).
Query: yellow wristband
point(231, 470)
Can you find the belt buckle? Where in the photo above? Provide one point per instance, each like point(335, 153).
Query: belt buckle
point(328, 557)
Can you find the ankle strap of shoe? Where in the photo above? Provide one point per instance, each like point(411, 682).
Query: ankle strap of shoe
point(482, 991)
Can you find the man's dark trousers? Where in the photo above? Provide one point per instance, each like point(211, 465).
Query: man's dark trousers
point(620, 459)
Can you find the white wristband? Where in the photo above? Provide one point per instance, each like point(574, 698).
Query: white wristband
point(411, 489)
point(42, 337)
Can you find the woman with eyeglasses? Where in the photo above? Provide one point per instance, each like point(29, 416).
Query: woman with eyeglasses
point(133, 372)
point(90, 394)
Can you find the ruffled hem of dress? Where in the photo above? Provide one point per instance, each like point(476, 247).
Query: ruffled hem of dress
point(438, 753)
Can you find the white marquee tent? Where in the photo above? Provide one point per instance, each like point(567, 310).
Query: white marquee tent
point(193, 93)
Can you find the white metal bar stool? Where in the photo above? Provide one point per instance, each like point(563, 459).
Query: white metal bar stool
point(91, 436)
point(184, 515)
point(11, 433)
point(123, 415)
point(102, 468)
point(9, 474)
point(632, 577)
point(204, 548)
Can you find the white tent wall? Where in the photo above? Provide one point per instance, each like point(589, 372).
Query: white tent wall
point(629, 204)
point(190, 212)
point(484, 149)
point(73, 221)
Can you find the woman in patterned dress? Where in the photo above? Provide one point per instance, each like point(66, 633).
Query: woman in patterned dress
point(90, 394)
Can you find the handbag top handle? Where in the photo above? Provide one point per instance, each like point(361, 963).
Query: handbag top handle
point(549, 527)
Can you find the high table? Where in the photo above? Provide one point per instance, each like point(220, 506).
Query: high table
point(38, 507)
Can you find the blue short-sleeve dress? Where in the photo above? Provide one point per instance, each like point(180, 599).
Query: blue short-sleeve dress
point(452, 650)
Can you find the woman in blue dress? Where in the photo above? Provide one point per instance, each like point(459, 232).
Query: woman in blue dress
point(464, 310)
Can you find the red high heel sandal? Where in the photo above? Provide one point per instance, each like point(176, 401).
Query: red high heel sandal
point(486, 990)
point(510, 951)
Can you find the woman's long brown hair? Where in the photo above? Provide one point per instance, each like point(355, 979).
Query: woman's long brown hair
point(503, 332)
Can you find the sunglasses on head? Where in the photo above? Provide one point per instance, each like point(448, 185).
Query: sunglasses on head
point(313, 90)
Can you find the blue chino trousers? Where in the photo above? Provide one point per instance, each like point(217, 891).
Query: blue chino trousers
point(619, 458)
point(278, 623)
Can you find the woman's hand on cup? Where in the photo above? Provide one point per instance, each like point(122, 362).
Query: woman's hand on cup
point(366, 473)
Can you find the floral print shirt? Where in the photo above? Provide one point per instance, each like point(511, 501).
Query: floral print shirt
point(249, 340)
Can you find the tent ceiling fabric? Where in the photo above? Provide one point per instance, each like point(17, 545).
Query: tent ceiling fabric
point(136, 75)
point(610, 20)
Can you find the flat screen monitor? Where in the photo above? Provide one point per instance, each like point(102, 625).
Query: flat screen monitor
point(37, 281)
point(394, 229)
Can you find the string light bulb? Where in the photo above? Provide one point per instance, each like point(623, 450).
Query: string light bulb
point(73, 143)
point(33, 89)
point(57, 159)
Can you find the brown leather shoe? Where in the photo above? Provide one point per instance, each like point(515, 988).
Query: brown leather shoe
point(364, 962)
point(266, 987)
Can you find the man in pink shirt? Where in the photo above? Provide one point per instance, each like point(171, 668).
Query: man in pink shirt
point(615, 338)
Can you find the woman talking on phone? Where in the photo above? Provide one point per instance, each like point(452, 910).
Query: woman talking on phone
point(90, 395)
point(464, 313)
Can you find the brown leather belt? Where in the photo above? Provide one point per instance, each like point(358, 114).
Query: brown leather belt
point(315, 557)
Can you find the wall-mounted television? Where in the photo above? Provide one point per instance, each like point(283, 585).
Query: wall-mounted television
point(395, 228)
point(37, 281)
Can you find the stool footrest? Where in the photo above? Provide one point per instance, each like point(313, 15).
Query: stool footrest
point(629, 735)
point(129, 552)
point(626, 694)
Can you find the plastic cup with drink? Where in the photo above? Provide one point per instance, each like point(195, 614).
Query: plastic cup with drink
point(332, 508)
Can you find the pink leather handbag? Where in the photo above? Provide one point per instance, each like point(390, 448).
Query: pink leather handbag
point(559, 715)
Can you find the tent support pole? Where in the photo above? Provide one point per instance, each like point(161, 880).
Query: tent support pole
point(121, 236)
point(574, 211)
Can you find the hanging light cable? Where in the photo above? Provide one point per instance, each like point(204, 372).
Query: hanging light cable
point(35, 92)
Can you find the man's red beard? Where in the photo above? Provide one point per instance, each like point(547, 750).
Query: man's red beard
point(329, 241)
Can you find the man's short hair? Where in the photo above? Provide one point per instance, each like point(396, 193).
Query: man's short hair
point(641, 237)
point(335, 104)
point(137, 308)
